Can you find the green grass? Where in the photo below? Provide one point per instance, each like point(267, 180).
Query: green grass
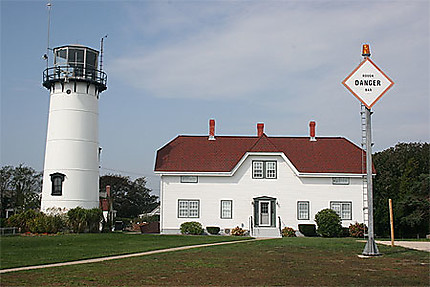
point(17, 251)
point(287, 261)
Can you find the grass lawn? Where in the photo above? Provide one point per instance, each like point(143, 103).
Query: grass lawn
point(17, 251)
point(287, 261)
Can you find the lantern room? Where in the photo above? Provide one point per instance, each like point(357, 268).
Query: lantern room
point(75, 63)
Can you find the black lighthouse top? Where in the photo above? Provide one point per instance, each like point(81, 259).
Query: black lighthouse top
point(75, 63)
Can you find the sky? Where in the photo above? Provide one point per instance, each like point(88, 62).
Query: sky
point(173, 65)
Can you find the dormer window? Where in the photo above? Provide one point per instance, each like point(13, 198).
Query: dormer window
point(57, 183)
point(264, 169)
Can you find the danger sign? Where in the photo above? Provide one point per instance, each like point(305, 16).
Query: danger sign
point(368, 83)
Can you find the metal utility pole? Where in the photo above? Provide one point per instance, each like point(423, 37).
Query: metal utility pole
point(368, 83)
point(370, 249)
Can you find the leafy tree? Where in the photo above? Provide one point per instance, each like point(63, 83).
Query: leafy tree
point(402, 174)
point(20, 188)
point(130, 198)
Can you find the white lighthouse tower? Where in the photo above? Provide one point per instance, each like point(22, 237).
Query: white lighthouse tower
point(71, 171)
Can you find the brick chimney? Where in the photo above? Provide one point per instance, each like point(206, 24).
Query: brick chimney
point(211, 129)
point(260, 129)
point(312, 137)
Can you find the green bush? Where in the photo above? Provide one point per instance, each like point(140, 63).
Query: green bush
point(83, 220)
point(37, 222)
point(345, 232)
point(357, 229)
point(329, 223)
point(288, 232)
point(94, 218)
point(22, 220)
point(309, 230)
point(152, 218)
point(191, 228)
point(237, 231)
point(3, 222)
point(214, 230)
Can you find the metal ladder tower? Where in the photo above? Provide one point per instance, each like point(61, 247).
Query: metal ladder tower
point(363, 165)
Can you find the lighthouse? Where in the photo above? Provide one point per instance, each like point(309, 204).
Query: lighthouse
point(72, 154)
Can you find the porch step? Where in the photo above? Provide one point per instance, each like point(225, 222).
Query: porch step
point(267, 232)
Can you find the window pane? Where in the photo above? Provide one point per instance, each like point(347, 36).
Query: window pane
point(336, 207)
point(194, 209)
point(91, 59)
point(226, 207)
point(346, 211)
point(61, 57)
point(183, 208)
point(303, 208)
point(270, 169)
point(76, 56)
point(257, 169)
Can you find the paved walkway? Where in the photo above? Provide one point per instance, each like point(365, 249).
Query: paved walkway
point(418, 245)
point(94, 260)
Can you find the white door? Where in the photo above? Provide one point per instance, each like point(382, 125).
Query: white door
point(265, 213)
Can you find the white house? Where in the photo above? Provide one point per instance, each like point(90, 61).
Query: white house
point(260, 183)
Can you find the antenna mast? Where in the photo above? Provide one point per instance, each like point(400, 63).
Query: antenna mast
point(45, 57)
point(101, 52)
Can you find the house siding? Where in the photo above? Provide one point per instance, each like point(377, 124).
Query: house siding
point(241, 188)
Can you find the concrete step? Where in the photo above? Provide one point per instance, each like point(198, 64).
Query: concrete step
point(267, 232)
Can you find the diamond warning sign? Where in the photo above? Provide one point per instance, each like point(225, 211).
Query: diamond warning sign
point(368, 83)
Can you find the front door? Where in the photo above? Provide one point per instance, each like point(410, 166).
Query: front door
point(265, 213)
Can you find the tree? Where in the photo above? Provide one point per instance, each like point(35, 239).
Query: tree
point(130, 198)
point(402, 174)
point(21, 187)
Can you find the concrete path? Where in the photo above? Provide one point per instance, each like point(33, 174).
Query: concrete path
point(418, 245)
point(94, 260)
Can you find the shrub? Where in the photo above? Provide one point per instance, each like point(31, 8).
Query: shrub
point(77, 220)
point(237, 231)
point(37, 222)
point(214, 230)
point(82, 220)
point(192, 228)
point(329, 223)
point(22, 220)
point(308, 230)
point(345, 232)
point(288, 232)
point(357, 229)
point(94, 217)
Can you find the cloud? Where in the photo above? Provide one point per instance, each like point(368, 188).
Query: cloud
point(278, 49)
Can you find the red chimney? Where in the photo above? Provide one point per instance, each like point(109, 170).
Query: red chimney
point(312, 125)
point(211, 129)
point(260, 129)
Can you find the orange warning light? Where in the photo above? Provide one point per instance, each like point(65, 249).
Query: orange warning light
point(366, 50)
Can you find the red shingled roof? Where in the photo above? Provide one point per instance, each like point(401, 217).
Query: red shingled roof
point(198, 154)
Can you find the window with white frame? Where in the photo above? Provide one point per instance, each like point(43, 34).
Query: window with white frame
point(263, 169)
point(343, 209)
point(303, 210)
point(340, 180)
point(188, 208)
point(271, 169)
point(226, 209)
point(257, 169)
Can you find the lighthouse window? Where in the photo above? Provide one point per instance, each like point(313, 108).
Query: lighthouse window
point(57, 183)
point(76, 56)
point(61, 57)
point(91, 60)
